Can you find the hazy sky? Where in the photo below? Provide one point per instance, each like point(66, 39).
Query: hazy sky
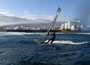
point(43, 11)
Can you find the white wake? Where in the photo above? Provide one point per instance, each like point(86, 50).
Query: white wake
point(17, 33)
point(67, 42)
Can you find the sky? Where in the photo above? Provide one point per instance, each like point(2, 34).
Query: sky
point(42, 11)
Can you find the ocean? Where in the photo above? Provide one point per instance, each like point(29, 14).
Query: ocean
point(21, 49)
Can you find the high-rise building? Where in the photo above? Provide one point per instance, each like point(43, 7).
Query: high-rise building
point(68, 24)
point(62, 27)
point(73, 27)
point(81, 26)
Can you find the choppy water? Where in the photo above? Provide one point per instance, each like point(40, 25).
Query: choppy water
point(20, 49)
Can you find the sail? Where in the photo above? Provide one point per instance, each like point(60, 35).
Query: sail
point(55, 18)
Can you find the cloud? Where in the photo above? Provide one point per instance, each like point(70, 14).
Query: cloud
point(7, 18)
point(12, 20)
point(35, 17)
point(5, 12)
point(44, 18)
point(25, 11)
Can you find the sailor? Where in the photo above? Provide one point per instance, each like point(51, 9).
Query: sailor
point(52, 38)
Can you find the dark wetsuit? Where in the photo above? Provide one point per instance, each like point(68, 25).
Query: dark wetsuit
point(53, 38)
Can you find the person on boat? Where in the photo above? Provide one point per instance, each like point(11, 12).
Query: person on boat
point(52, 38)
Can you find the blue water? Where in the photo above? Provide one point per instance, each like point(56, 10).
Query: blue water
point(20, 49)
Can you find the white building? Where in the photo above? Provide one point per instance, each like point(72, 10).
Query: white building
point(81, 26)
point(69, 25)
point(62, 27)
point(73, 27)
point(66, 25)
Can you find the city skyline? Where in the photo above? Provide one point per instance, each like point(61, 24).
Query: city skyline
point(38, 11)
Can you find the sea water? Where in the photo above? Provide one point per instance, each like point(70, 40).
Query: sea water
point(21, 49)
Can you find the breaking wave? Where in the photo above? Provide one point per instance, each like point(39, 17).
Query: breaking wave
point(17, 33)
point(22, 33)
point(84, 33)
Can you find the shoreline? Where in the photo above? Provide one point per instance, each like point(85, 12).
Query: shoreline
point(44, 31)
